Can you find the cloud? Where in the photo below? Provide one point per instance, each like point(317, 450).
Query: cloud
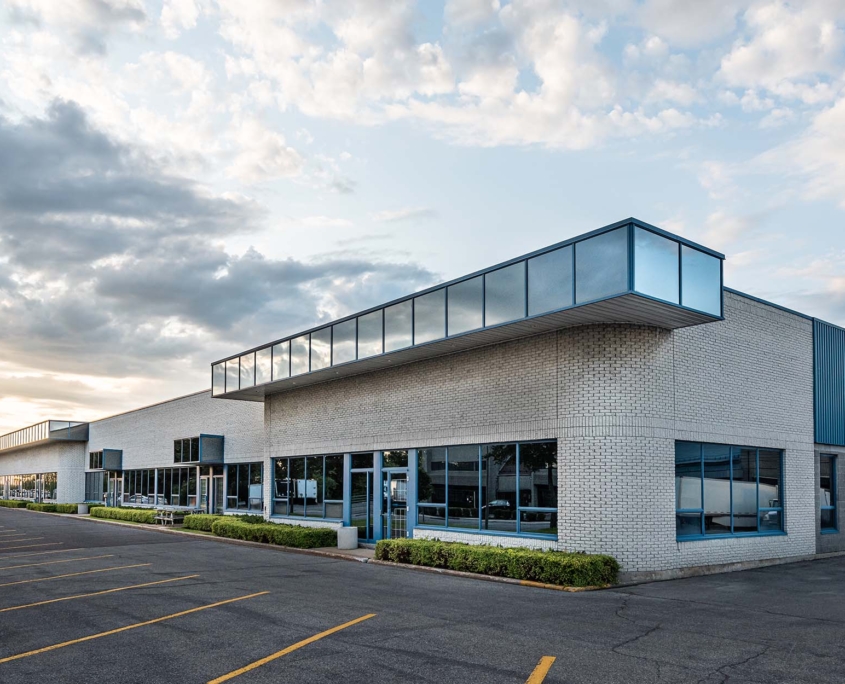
point(690, 24)
point(264, 155)
point(406, 214)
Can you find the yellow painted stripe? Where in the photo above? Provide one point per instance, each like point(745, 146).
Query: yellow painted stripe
point(76, 574)
point(64, 560)
point(128, 627)
point(96, 593)
point(37, 553)
point(15, 541)
point(542, 669)
point(289, 649)
point(28, 546)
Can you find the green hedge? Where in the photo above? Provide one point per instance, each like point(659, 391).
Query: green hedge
point(11, 503)
point(141, 515)
point(53, 508)
point(548, 567)
point(200, 521)
point(271, 533)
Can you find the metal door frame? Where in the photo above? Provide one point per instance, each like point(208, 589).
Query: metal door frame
point(387, 475)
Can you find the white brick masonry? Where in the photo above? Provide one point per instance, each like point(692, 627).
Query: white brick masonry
point(616, 398)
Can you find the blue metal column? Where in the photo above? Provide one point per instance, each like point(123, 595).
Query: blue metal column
point(347, 489)
point(411, 515)
point(378, 495)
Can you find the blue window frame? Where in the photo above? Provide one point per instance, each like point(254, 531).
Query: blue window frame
point(727, 491)
point(829, 520)
point(504, 489)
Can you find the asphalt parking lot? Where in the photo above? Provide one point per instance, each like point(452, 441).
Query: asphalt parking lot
point(86, 601)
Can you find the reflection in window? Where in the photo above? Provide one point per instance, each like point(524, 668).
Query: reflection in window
point(309, 486)
point(397, 326)
point(701, 282)
point(370, 334)
point(247, 370)
point(233, 375)
point(738, 494)
point(218, 378)
point(827, 493)
point(550, 281)
point(299, 355)
point(321, 349)
point(465, 301)
point(281, 360)
point(505, 488)
point(656, 265)
point(243, 487)
point(504, 294)
point(343, 342)
point(601, 266)
point(263, 365)
point(430, 316)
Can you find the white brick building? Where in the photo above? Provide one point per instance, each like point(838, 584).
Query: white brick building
point(604, 395)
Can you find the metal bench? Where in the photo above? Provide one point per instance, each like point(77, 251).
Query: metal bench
point(167, 516)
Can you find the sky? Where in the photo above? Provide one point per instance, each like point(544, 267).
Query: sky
point(184, 179)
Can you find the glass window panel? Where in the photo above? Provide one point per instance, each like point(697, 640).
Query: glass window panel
point(247, 370)
point(431, 477)
point(321, 349)
point(315, 480)
point(538, 475)
point(688, 476)
point(504, 294)
point(701, 285)
point(218, 378)
point(281, 486)
point(717, 488)
point(195, 449)
point(550, 281)
point(281, 361)
point(430, 317)
point(601, 266)
point(362, 504)
point(828, 519)
point(688, 524)
point(243, 485)
point(256, 471)
point(770, 479)
point(370, 334)
point(177, 451)
point(462, 475)
point(343, 342)
point(397, 326)
point(191, 489)
point(538, 522)
point(231, 486)
point(396, 458)
point(298, 486)
point(263, 365)
point(656, 265)
point(233, 375)
point(362, 460)
point(299, 355)
point(744, 489)
point(465, 302)
point(498, 487)
point(334, 478)
point(827, 492)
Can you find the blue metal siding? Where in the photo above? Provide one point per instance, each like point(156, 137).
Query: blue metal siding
point(829, 381)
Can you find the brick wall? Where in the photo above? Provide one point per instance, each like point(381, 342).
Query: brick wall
point(66, 459)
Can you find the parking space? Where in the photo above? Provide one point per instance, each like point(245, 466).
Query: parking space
point(133, 605)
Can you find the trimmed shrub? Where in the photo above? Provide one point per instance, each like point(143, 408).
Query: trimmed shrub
point(67, 508)
point(11, 503)
point(200, 521)
point(250, 519)
point(42, 507)
point(141, 515)
point(271, 533)
point(547, 567)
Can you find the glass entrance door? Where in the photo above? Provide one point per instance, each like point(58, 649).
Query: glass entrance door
point(205, 502)
point(395, 508)
point(362, 504)
point(114, 495)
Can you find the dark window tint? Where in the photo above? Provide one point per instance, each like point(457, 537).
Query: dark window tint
point(550, 281)
point(601, 266)
point(504, 294)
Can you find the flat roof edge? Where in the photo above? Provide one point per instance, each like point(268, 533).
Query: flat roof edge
point(760, 300)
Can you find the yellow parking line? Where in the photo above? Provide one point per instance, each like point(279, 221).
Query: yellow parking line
point(75, 574)
point(289, 649)
point(542, 669)
point(96, 593)
point(28, 546)
point(128, 627)
point(64, 560)
point(37, 553)
point(15, 541)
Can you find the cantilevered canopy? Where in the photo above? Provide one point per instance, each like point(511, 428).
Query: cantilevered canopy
point(42, 433)
point(628, 272)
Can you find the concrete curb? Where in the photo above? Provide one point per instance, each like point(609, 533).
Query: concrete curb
point(488, 578)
